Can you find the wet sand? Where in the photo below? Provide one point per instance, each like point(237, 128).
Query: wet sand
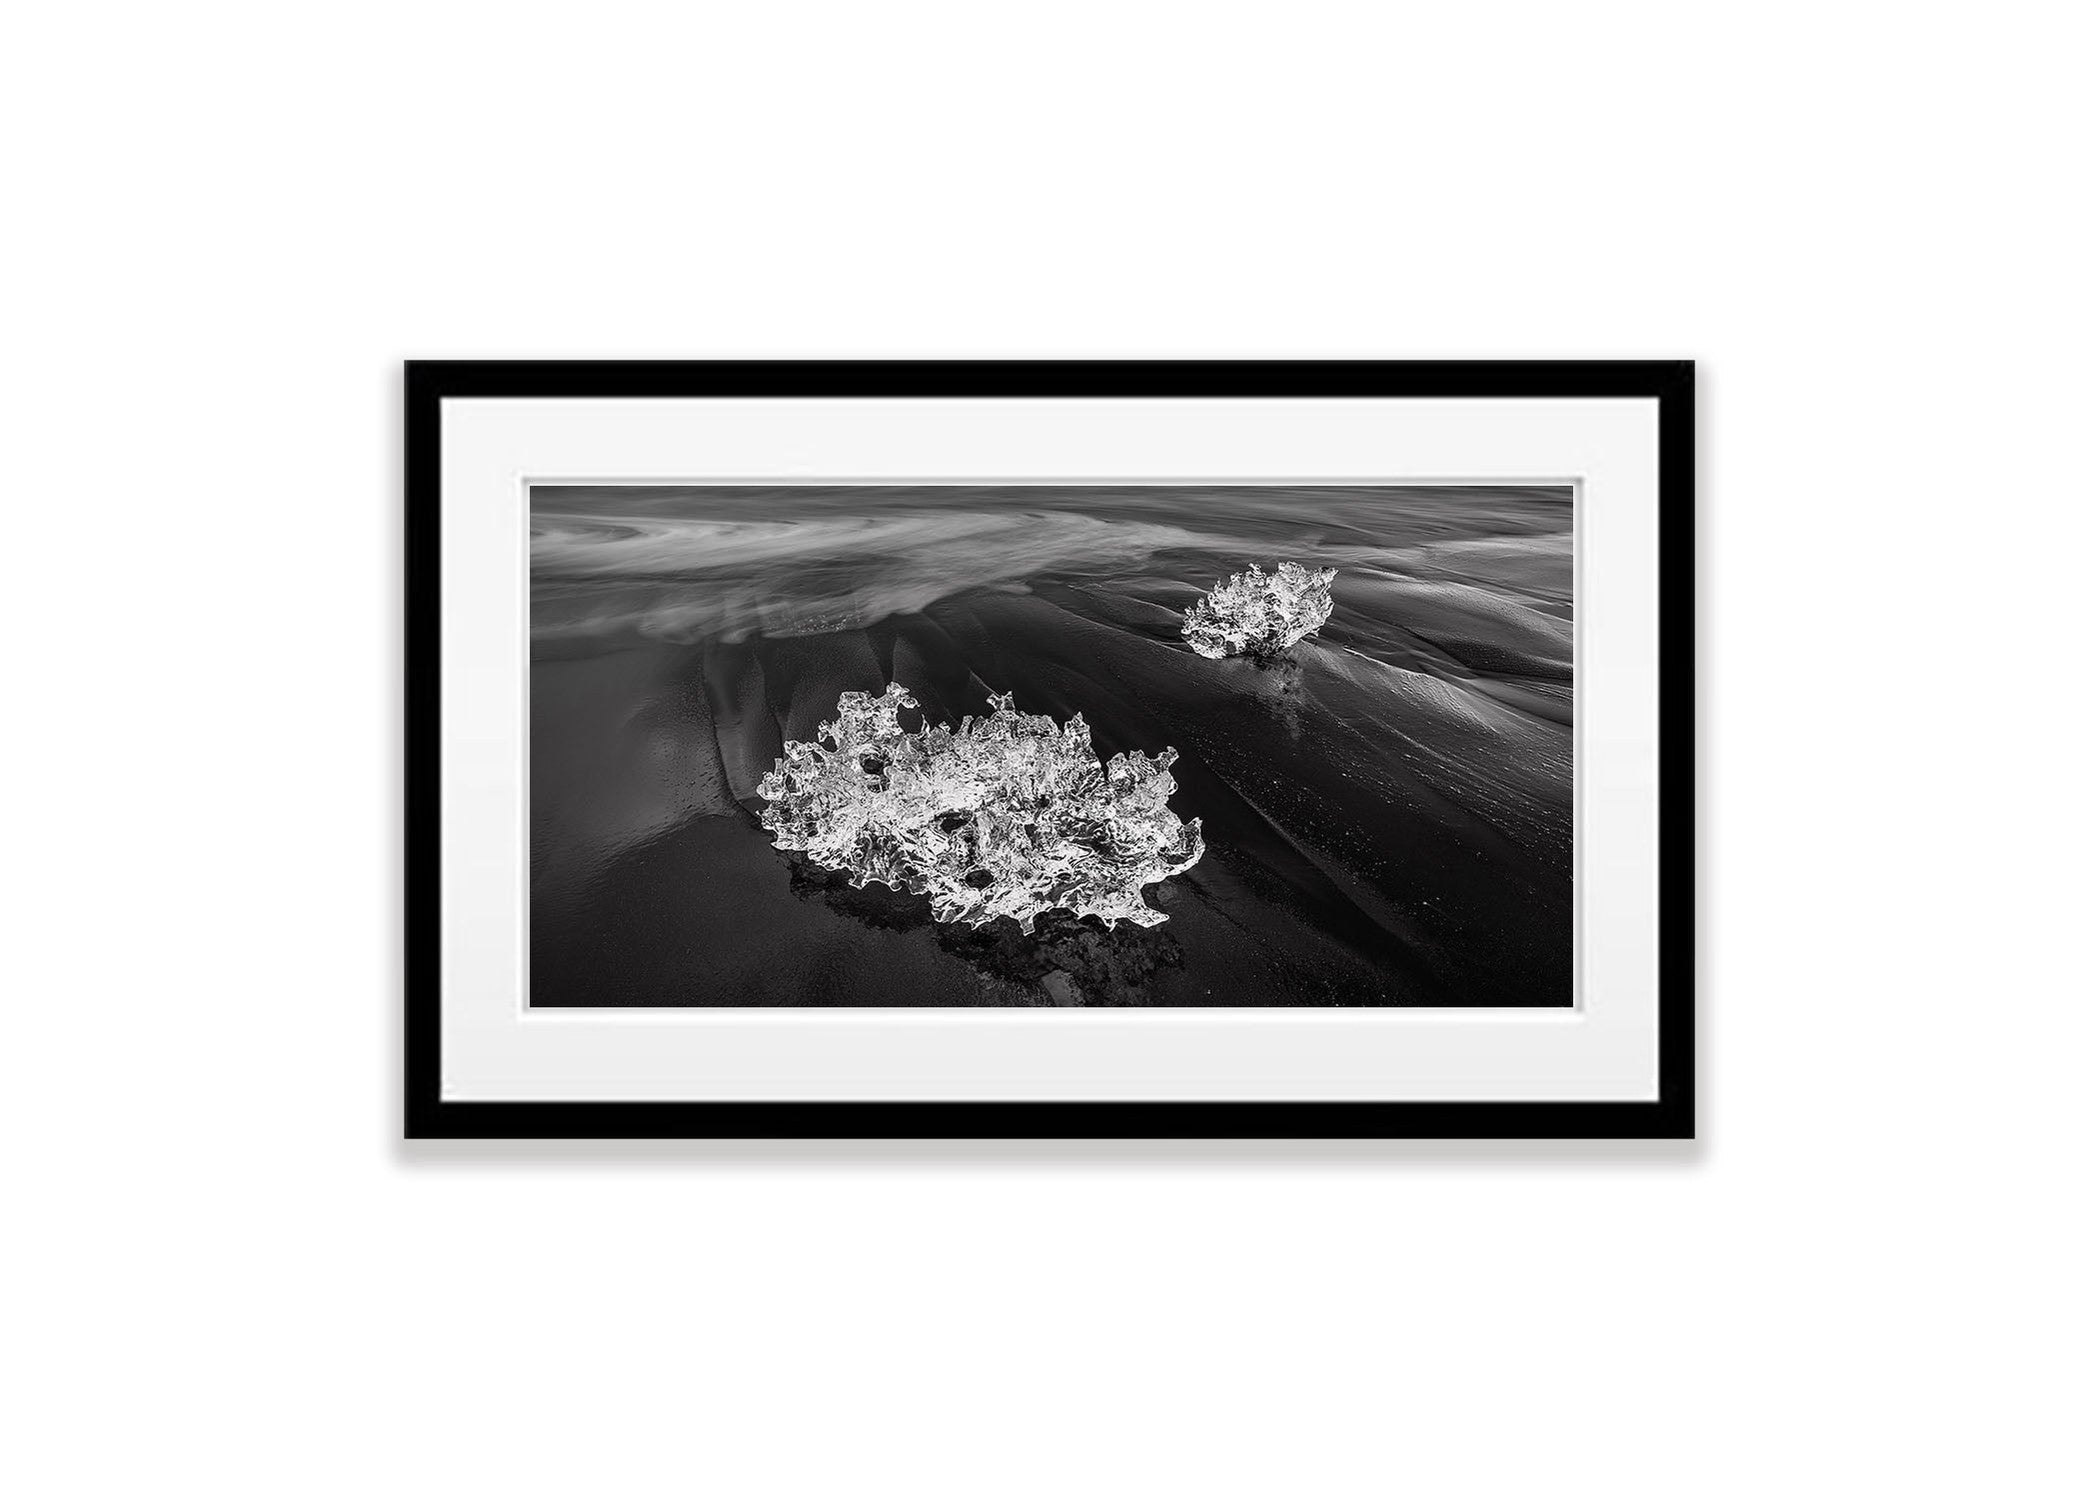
point(1387, 813)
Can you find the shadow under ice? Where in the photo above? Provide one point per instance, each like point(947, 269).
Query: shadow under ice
point(1064, 960)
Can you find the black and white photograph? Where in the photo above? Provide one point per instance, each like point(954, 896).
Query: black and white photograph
point(1031, 745)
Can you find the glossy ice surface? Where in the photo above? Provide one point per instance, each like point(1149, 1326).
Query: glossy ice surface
point(1260, 614)
point(1010, 815)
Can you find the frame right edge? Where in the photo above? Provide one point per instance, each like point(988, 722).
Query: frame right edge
point(1677, 566)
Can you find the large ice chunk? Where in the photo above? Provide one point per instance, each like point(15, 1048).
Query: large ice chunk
point(1009, 815)
point(1260, 614)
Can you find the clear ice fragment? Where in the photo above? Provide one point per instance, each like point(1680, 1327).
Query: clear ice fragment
point(1260, 614)
point(1010, 815)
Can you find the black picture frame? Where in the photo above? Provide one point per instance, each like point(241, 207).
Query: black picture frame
point(1670, 1115)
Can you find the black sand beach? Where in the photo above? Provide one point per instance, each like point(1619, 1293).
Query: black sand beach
point(1387, 813)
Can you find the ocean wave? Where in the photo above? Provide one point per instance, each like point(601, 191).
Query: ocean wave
point(681, 579)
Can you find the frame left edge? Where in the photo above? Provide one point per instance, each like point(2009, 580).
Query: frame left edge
point(422, 386)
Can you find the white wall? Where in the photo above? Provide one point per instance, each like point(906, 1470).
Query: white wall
point(227, 223)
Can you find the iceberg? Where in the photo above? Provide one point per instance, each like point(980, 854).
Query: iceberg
point(1008, 815)
point(1260, 614)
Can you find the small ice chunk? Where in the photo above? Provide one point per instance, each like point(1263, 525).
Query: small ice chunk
point(1260, 614)
point(1010, 815)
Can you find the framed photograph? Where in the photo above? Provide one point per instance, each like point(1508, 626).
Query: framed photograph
point(1049, 749)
